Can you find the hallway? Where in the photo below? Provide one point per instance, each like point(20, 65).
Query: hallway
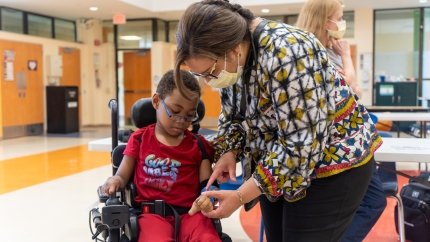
point(48, 186)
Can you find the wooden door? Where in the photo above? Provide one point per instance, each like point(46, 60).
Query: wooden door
point(71, 58)
point(33, 100)
point(71, 67)
point(137, 78)
point(22, 88)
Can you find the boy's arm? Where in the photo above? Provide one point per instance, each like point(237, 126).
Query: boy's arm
point(203, 202)
point(126, 169)
point(205, 170)
point(123, 174)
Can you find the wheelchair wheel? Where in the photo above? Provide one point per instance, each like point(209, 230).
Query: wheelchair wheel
point(225, 238)
point(124, 238)
point(114, 235)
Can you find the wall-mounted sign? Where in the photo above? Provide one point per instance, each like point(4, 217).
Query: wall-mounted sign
point(119, 18)
point(8, 58)
point(32, 65)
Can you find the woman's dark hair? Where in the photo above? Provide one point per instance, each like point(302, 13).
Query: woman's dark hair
point(167, 84)
point(209, 28)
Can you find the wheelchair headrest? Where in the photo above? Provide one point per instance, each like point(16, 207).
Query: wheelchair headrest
point(143, 113)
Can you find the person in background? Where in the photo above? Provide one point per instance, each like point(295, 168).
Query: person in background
point(168, 164)
point(324, 18)
point(287, 115)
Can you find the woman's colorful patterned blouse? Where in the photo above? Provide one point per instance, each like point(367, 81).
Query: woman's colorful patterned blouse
point(302, 121)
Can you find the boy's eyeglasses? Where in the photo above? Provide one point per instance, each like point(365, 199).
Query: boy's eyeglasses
point(209, 75)
point(178, 118)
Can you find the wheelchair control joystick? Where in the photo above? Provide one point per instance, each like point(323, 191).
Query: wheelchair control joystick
point(113, 200)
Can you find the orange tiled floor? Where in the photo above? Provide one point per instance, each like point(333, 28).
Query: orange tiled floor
point(384, 230)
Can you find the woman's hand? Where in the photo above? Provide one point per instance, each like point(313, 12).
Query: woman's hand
point(224, 169)
point(228, 202)
point(341, 47)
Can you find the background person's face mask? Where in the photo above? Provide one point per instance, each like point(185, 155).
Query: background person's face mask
point(341, 28)
point(225, 78)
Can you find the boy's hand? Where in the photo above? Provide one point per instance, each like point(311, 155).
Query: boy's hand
point(112, 185)
point(202, 203)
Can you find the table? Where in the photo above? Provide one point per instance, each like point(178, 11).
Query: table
point(404, 150)
point(104, 144)
point(422, 117)
point(392, 149)
point(397, 109)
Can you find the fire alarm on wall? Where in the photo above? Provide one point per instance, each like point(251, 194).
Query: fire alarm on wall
point(119, 18)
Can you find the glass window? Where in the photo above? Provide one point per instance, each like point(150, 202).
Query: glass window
point(64, 30)
point(396, 50)
point(161, 30)
point(349, 18)
point(173, 27)
point(291, 19)
point(39, 26)
point(426, 58)
point(12, 20)
point(135, 35)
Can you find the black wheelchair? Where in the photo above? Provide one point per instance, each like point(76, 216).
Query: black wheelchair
point(116, 219)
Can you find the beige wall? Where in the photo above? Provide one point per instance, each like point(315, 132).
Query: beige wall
point(94, 99)
point(363, 38)
point(102, 57)
point(162, 60)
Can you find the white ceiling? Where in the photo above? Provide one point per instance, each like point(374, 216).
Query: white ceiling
point(172, 9)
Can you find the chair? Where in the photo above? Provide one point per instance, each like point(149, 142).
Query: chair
point(125, 226)
point(386, 172)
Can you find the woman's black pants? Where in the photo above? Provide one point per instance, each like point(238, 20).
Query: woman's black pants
point(325, 212)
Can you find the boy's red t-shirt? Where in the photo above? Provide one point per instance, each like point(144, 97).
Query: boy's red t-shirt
point(169, 173)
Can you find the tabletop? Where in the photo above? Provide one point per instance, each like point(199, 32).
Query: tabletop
point(403, 116)
point(404, 150)
point(392, 149)
point(397, 109)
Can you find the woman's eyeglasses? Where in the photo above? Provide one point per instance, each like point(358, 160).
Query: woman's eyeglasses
point(209, 75)
point(178, 118)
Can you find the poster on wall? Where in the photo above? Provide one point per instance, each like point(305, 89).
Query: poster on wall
point(32, 65)
point(9, 57)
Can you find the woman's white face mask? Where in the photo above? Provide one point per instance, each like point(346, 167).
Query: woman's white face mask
point(341, 28)
point(225, 78)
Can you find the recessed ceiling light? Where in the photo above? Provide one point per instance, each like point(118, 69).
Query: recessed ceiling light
point(423, 1)
point(130, 37)
point(265, 10)
point(94, 9)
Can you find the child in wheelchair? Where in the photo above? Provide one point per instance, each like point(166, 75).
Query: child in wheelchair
point(167, 165)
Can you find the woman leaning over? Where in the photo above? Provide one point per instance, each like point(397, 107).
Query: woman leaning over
point(305, 144)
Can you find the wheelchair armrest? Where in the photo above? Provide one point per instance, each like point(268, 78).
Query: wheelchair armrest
point(217, 225)
point(130, 194)
point(103, 197)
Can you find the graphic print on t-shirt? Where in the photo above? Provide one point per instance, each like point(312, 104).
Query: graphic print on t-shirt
point(161, 173)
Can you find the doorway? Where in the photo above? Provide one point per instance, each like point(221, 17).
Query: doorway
point(134, 81)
